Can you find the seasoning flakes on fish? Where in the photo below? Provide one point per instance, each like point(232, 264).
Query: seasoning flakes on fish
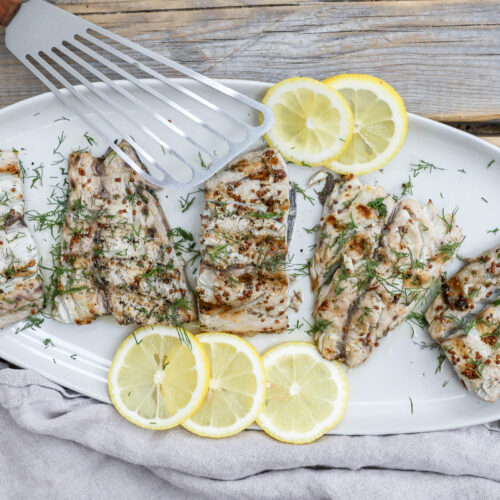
point(21, 290)
point(78, 299)
point(353, 217)
point(413, 250)
point(116, 246)
point(242, 284)
point(470, 339)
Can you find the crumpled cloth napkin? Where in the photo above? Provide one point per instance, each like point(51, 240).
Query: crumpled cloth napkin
point(55, 443)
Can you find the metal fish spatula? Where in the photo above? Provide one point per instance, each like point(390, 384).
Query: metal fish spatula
point(184, 130)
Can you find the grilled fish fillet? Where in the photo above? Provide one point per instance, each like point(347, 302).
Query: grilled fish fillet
point(409, 259)
point(21, 290)
point(242, 284)
point(78, 299)
point(460, 295)
point(122, 260)
point(347, 237)
point(470, 340)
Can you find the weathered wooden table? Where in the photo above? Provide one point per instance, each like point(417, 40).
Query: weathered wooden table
point(443, 57)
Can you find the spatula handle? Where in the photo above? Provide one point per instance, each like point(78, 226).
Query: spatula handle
point(7, 10)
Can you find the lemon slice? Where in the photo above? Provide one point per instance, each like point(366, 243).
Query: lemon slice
point(312, 122)
point(380, 123)
point(236, 390)
point(158, 377)
point(306, 395)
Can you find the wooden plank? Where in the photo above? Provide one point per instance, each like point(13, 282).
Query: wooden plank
point(443, 57)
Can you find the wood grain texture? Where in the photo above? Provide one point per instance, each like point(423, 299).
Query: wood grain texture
point(442, 56)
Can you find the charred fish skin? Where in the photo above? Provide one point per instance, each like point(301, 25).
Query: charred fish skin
point(21, 289)
point(242, 284)
point(477, 281)
point(408, 262)
point(116, 252)
point(353, 218)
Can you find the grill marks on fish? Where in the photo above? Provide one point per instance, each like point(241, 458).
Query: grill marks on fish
point(21, 291)
point(133, 271)
point(242, 284)
point(470, 336)
point(407, 263)
point(347, 236)
point(79, 300)
point(372, 266)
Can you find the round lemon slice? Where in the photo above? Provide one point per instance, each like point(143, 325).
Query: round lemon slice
point(380, 123)
point(236, 389)
point(312, 122)
point(159, 377)
point(306, 394)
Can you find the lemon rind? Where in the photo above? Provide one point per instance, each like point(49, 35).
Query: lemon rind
point(344, 109)
point(203, 368)
point(256, 409)
point(356, 79)
point(340, 378)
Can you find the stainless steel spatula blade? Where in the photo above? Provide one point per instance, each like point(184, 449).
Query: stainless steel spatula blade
point(184, 130)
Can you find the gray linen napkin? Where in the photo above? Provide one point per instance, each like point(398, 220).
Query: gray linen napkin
point(55, 443)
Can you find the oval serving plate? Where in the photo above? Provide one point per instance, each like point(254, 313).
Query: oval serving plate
point(399, 389)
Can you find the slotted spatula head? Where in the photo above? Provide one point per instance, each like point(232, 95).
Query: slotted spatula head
point(184, 130)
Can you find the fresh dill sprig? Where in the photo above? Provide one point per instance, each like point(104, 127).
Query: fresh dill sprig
point(493, 231)
point(318, 326)
point(423, 166)
point(379, 205)
point(448, 223)
point(90, 139)
point(202, 161)
point(30, 323)
point(311, 230)
point(298, 325)
point(37, 176)
point(301, 191)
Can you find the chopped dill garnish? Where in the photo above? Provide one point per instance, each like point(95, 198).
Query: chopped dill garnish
point(62, 118)
point(490, 163)
point(311, 230)
point(462, 170)
point(301, 269)
point(411, 404)
point(484, 199)
point(423, 345)
point(186, 202)
point(318, 326)
point(299, 190)
point(450, 248)
point(37, 176)
point(440, 360)
point(298, 325)
point(379, 205)
point(423, 166)
point(48, 343)
point(493, 231)
point(266, 215)
point(406, 189)
point(448, 223)
point(202, 161)
point(31, 323)
point(417, 319)
point(89, 139)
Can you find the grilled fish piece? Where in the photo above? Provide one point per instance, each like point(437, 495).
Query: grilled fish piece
point(475, 354)
point(470, 340)
point(117, 255)
point(79, 300)
point(242, 285)
point(21, 290)
point(410, 258)
point(353, 218)
point(137, 265)
point(460, 295)
point(347, 214)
